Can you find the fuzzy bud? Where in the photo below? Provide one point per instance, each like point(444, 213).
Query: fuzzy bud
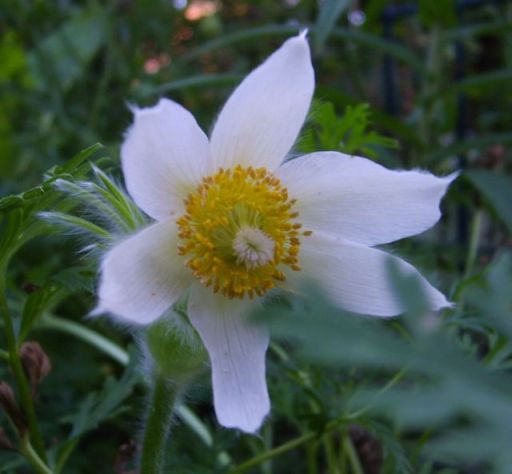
point(369, 449)
point(35, 362)
point(10, 405)
point(177, 352)
point(125, 457)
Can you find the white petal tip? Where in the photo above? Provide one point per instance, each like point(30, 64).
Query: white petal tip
point(98, 311)
point(140, 111)
point(303, 34)
point(250, 426)
point(452, 176)
point(445, 305)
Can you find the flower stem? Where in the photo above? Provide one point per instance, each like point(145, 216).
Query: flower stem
point(330, 454)
point(352, 455)
point(158, 420)
point(294, 443)
point(476, 227)
point(24, 393)
point(32, 457)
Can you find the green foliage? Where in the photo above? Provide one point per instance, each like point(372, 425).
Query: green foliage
point(350, 134)
point(497, 188)
point(63, 56)
point(438, 13)
point(330, 11)
point(420, 394)
point(463, 403)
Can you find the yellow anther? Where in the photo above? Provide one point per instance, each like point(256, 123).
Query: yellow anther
point(238, 232)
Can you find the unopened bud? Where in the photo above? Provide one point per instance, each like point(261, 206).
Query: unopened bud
point(177, 352)
point(5, 442)
point(35, 362)
point(125, 458)
point(10, 405)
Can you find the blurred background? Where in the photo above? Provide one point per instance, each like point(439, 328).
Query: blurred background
point(436, 74)
point(410, 84)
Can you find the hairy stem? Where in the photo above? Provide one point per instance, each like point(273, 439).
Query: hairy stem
point(24, 393)
point(156, 429)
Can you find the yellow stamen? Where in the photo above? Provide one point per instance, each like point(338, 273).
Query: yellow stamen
point(238, 228)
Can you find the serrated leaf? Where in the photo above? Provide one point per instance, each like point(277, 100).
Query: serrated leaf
point(103, 405)
point(349, 133)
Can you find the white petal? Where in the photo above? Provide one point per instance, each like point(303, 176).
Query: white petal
point(356, 277)
point(143, 275)
point(164, 156)
point(261, 120)
point(359, 200)
point(237, 354)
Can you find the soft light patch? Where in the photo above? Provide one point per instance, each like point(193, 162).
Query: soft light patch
point(238, 231)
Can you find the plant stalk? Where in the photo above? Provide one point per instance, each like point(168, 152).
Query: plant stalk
point(290, 445)
point(355, 463)
point(158, 420)
point(24, 393)
point(32, 457)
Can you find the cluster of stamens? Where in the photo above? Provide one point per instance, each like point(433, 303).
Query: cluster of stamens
point(238, 230)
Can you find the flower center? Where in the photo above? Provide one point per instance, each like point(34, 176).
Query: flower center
point(253, 248)
point(239, 230)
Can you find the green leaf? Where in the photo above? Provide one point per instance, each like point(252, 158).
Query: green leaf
point(494, 299)
point(378, 43)
point(202, 80)
point(40, 193)
point(129, 213)
point(69, 221)
point(476, 84)
point(438, 372)
point(497, 189)
point(468, 31)
point(61, 58)
point(76, 279)
point(373, 42)
point(103, 405)
point(87, 154)
point(330, 11)
point(348, 134)
point(477, 142)
point(248, 34)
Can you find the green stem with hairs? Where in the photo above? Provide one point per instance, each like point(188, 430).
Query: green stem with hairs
point(24, 393)
point(158, 420)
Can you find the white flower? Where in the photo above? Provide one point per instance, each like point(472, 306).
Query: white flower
point(233, 221)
